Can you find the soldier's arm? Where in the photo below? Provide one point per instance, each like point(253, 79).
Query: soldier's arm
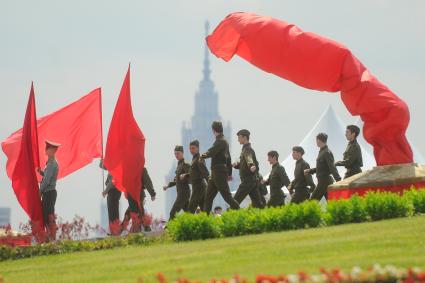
point(49, 173)
point(350, 157)
point(147, 183)
point(249, 158)
point(331, 165)
point(284, 177)
point(309, 179)
point(216, 148)
point(229, 163)
point(203, 169)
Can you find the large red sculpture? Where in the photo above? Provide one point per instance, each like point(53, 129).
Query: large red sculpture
point(315, 62)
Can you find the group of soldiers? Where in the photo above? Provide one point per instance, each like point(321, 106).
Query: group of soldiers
point(206, 186)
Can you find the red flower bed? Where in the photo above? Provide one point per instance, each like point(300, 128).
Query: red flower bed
point(375, 274)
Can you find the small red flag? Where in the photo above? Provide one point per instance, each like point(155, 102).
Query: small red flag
point(125, 146)
point(24, 176)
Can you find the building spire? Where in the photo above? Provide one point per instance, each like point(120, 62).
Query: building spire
point(206, 69)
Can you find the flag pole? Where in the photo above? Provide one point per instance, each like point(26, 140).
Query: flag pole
point(101, 140)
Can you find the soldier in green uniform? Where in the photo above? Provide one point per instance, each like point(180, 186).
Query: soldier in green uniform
point(181, 181)
point(299, 187)
point(352, 158)
point(133, 212)
point(325, 167)
point(198, 173)
point(276, 180)
point(248, 171)
point(113, 196)
point(221, 170)
point(262, 188)
point(48, 189)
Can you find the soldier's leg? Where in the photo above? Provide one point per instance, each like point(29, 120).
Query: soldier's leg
point(113, 199)
point(276, 200)
point(210, 195)
point(223, 187)
point(181, 202)
point(321, 189)
point(300, 195)
point(195, 198)
point(254, 194)
point(242, 191)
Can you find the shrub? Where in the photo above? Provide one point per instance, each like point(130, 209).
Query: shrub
point(417, 198)
point(387, 205)
point(188, 227)
point(358, 209)
point(339, 212)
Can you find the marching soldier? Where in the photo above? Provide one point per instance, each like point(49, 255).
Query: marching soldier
point(299, 186)
point(352, 158)
point(276, 180)
point(248, 171)
point(198, 173)
point(221, 170)
point(48, 189)
point(113, 196)
point(325, 167)
point(181, 181)
point(133, 212)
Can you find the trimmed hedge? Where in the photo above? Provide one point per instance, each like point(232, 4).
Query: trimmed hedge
point(374, 206)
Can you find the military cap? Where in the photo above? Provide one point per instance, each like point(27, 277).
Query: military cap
point(178, 148)
point(52, 144)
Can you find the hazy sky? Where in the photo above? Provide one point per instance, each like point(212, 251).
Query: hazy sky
point(68, 48)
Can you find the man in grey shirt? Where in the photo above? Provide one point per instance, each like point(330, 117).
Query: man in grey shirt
point(48, 189)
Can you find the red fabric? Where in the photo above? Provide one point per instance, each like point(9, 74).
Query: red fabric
point(315, 62)
point(347, 193)
point(125, 147)
point(23, 173)
point(77, 127)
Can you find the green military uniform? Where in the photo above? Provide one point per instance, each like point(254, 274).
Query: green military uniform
point(249, 180)
point(262, 188)
point(277, 179)
point(324, 168)
point(221, 168)
point(112, 199)
point(352, 159)
point(198, 173)
point(132, 205)
point(301, 182)
point(48, 190)
point(183, 189)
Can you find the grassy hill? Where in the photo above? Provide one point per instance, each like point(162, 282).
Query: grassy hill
point(400, 242)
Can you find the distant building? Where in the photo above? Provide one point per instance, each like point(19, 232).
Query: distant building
point(199, 127)
point(5, 216)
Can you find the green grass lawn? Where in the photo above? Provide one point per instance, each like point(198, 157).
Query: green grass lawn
point(400, 242)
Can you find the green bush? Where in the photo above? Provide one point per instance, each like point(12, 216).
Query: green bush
point(358, 209)
point(188, 227)
point(339, 212)
point(417, 198)
point(387, 205)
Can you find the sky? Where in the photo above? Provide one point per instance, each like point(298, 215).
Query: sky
point(69, 48)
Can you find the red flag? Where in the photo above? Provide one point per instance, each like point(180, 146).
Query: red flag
point(315, 62)
point(77, 127)
point(125, 147)
point(24, 176)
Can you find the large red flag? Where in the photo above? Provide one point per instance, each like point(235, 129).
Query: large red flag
point(24, 176)
point(77, 127)
point(125, 147)
point(315, 62)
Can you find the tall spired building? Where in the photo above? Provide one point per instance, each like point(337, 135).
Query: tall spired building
point(199, 127)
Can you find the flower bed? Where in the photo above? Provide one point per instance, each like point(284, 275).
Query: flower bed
point(375, 274)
